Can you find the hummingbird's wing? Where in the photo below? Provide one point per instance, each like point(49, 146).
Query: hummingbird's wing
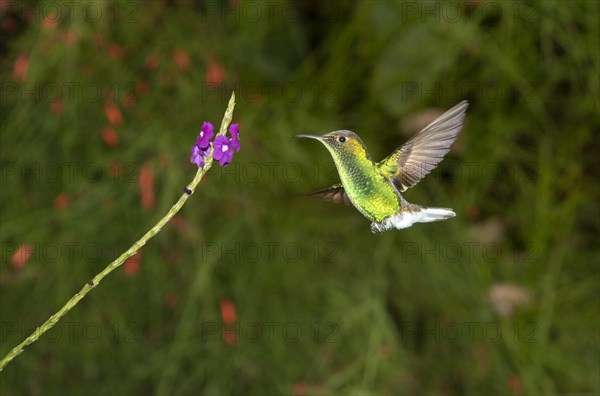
point(335, 193)
point(420, 155)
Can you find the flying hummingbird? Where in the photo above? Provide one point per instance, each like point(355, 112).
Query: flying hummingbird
point(375, 188)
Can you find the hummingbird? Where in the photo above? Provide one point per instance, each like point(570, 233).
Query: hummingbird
point(375, 189)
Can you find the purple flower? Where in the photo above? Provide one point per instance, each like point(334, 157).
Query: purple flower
point(222, 147)
point(197, 156)
point(234, 130)
point(206, 133)
point(223, 150)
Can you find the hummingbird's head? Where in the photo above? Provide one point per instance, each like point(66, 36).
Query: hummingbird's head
point(341, 144)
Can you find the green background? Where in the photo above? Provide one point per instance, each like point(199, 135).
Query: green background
point(502, 299)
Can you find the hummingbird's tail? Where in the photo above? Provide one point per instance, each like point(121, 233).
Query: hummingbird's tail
point(410, 215)
point(435, 214)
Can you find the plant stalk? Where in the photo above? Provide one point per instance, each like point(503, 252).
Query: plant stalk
point(48, 324)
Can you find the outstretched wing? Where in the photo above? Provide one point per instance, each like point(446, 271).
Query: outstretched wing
point(420, 155)
point(335, 193)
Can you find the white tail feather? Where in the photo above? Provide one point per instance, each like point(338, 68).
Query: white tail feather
point(405, 219)
point(436, 214)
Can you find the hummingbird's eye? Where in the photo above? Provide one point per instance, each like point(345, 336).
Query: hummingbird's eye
point(342, 139)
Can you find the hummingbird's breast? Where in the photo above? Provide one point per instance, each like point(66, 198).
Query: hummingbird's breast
point(370, 192)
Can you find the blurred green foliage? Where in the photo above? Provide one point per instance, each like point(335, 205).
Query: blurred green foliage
point(501, 299)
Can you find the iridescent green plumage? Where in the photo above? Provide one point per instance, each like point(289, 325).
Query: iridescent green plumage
point(374, 188)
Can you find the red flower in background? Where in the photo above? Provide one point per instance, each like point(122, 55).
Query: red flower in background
point(20, 68)
point(116, 52)
point(147, 187)
point(113, 113)
point(69, 38)
point(230, 336)
point(132, 264)
point(182, 59)
point(142, 87)
point(110, 137)
point(301, 388)
point(62, 201)
point(515, 384)
point(49, 22)
point(229, 317)
point(215, 73)
point(228, 312)
point(21, 256)
point(57, 107)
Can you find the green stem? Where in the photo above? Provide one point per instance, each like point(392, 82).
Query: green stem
point(47, 325)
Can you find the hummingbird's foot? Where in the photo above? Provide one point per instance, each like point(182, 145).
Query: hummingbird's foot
point(384, 225)
point(375, 228)
point(402, 219)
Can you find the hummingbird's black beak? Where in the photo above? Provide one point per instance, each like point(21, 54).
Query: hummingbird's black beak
point(309, 136)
